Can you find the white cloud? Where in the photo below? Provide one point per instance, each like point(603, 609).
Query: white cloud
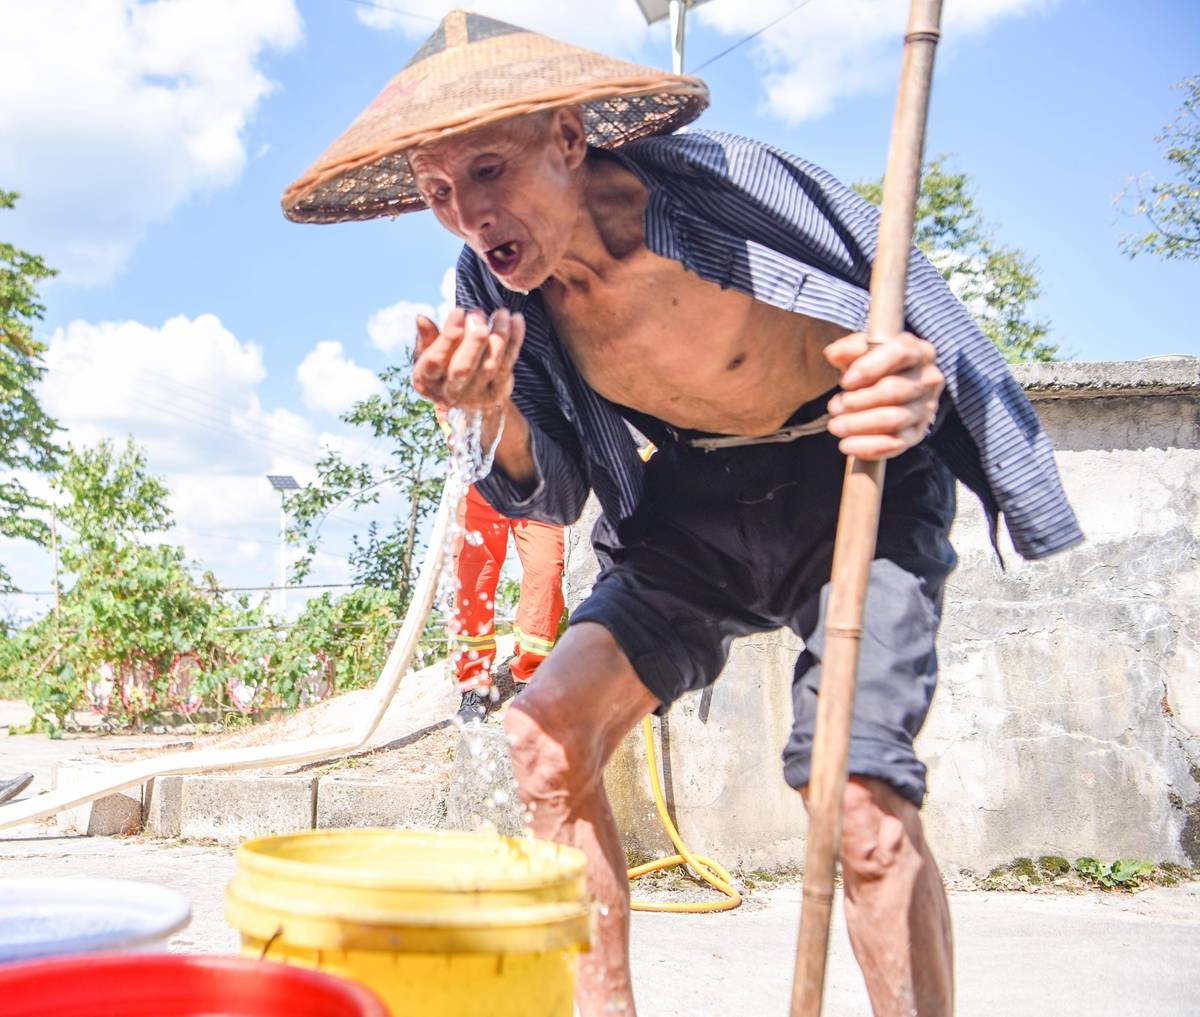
point(207, 502)
point(598, 24)
point(113, 378)
point(191, 394)
point(188, 393)
point(288, 439)
point(392, 328)
point(826, 51)
point(126, 110)
point(333, 382)
point(829, 51)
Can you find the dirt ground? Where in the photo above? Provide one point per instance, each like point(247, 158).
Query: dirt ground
point(1018, 954)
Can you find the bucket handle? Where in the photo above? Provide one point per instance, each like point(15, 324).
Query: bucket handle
point(270, 942)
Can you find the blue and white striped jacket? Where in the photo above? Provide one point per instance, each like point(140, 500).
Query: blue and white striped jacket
point(745, 215)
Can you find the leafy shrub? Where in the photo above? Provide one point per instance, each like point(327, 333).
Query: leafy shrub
point(1124, 873)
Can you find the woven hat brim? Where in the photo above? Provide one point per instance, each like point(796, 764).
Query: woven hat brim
point(376, 180)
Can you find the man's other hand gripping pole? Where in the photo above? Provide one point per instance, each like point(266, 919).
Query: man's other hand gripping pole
point(858, 522)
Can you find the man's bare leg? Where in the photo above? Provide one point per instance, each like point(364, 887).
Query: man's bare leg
point(562, 731)
point(896, 908)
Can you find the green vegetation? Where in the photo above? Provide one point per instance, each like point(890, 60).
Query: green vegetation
point(1171, 207)
point(1124, 872)
point(405, 423)
point(998, 284)
point(1054, 871)
point(26, 432)
point(137, 632)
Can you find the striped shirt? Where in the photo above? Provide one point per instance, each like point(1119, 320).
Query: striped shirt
point(742, 214)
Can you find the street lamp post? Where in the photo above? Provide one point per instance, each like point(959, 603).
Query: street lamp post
point(283, 484)
point(657, 10)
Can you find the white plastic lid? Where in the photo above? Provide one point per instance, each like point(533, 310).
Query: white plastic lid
point(56, 917)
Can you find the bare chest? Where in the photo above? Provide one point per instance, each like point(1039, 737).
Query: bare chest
point(650, 335)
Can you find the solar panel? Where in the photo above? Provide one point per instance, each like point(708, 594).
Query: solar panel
point(657, 10)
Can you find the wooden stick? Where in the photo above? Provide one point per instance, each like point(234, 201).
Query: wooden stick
point(858, 522)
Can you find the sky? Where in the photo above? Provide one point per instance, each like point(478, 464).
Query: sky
point(150, 143)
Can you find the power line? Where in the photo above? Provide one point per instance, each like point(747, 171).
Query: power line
point(218, 407)
point(752, 35)
point(212, 589)
point(301, 586)
point(231, 538)
point(393, 10)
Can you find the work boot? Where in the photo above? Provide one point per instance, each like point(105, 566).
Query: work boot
point(502, 680)
point(12, 788)
point(474, 707)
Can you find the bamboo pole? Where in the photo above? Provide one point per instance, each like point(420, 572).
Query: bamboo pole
point(858, 522)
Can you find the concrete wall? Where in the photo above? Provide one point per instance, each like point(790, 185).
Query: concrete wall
point(1068, 715)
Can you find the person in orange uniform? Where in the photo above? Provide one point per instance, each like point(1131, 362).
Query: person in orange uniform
point(540, 548)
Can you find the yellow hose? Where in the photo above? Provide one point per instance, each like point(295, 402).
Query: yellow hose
point(708, 870)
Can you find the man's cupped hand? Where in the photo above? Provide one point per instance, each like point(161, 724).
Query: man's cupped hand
point(890, 394)
point(469, 361)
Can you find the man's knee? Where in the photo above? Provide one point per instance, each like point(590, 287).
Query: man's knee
point(549, 764)
point(880, 832)
point(566, 725)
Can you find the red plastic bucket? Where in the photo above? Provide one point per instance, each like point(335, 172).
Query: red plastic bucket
point(171, 985)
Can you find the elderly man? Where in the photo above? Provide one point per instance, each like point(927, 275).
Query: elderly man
point(709, 292)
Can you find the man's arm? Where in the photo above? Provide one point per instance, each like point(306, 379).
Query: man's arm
point(470, 363)
point(514, 452)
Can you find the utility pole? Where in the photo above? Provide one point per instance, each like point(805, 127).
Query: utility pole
point(282, 554)
point(57, 588)
point(678, 11)
point(54, 551)
point(658, 10)
point(283, 484)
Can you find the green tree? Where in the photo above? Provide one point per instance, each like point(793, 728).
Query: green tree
point(998, 284)
point(1172, 207)
point(26, 432)
point(135, 618)
point(132, 606)
point(108, 499)
point(405, 423)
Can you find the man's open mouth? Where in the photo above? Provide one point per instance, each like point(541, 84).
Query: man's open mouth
point(503, 258)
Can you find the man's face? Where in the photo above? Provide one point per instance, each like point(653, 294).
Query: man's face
point(510, 191)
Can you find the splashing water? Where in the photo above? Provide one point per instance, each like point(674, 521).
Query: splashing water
point(468, 462)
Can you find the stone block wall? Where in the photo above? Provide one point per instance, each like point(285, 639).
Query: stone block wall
point(1067, 720)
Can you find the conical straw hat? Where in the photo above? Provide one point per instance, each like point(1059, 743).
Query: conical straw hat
point(471, 72)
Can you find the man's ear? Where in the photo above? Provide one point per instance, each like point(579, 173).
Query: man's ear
point(569, 135)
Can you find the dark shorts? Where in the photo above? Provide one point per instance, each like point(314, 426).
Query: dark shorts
point(738, 541)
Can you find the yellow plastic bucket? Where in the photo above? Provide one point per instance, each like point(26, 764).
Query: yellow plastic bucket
point(437, 923)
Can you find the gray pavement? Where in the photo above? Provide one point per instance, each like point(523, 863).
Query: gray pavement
point(40, 755)
point(1019, 955)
